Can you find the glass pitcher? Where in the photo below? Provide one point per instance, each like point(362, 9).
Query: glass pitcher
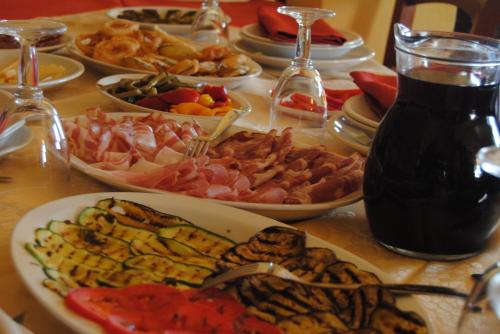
point(425, 194)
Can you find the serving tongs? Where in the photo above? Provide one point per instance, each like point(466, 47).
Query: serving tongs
point(273, 269)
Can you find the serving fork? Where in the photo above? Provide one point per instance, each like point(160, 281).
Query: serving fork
point(199, 145)
point(276, 270)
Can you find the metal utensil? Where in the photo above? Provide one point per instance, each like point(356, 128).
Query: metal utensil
point(276, 270)
point(199, 145)
point(354, 132)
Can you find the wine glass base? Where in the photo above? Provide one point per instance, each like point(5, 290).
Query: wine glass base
point(427, 256)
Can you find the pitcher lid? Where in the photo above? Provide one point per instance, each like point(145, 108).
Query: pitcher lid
point(448, 46)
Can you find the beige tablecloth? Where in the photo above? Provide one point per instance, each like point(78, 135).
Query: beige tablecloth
point(346, 227)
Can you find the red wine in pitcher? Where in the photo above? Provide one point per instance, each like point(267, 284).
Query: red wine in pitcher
point(425, 194)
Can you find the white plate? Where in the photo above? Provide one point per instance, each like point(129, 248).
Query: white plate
point(240, 101)
point(350, 59)
point(256, 38)
point(65, 39)
point(229, 82)
point(73, 68)
point(284, 212)
point(16, 141)
point(358, 109)
point(233, 223)
point(175, 29)
point(344, 137)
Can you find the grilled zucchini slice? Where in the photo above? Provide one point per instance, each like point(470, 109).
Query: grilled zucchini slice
point(138, 215)
point(172, 249)
point(103, 222)
point(390, 320)
point(168, 269)
point(204, 241)
point(51, 250)
point(95, 242)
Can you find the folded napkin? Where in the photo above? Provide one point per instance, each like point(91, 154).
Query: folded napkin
point(284, 28)
point(381, 89)
point(337, 97)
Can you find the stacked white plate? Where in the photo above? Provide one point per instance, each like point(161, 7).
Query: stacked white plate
point(356, 125)
point(262, 49)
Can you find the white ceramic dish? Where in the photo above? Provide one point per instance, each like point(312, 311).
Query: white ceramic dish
point(73, 68)
point(239, 101)
point(65, 39)
point(233, 223)
point(255, 37)
point(175, 29)
point(345, 138)
point(352, 58)
point(284, 212)
point(358, 109)
point(229, 82)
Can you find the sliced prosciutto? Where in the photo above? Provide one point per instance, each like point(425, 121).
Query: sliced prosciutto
point(247, 166)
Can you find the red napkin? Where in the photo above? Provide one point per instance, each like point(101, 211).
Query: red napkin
point(336, 98)
point(284, 28)
point(381, 89)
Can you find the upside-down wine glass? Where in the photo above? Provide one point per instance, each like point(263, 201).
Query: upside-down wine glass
point(210, 25)
point(46, 156)
point(301, 80)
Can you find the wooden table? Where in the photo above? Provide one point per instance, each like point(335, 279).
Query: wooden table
point(346, 227)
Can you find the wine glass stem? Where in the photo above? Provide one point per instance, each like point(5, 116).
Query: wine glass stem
point(28, 67)
point(211, 3)
point(303, 47)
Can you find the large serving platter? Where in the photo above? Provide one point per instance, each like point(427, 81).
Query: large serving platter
point(352, 58)
point(106, 68)
point(175, 29)
point(253, 36)
point(239, 101)
point(73, 68)
point(233, 223)
point(284, 212)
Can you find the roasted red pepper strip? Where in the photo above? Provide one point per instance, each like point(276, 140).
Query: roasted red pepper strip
point(218, 93)
point(180, 95)
point(152, 102)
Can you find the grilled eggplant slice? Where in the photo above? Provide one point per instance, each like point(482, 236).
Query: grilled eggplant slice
point(51, 250)
point(82, 237)
point(138, 215)
point(103, 222)
point(314, 323)
point(272, 244)
point(202, 240)
point(168, 269)
point(390, 320)
point(312, 264)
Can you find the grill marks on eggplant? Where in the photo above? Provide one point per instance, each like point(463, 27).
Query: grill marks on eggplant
point(388, 319)
point(300, 309)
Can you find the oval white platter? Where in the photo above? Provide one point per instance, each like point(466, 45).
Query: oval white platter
point(284, 212)
point(352, 58)
point(175, 29)
point(229, 82)
point(239, 101)
point(230, 222)
point(73, 68)
point(254, 37)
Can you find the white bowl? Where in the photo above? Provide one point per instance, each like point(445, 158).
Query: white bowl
point(229, 82)
point(73, 68)
point(255, 38)
point(352, 58)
